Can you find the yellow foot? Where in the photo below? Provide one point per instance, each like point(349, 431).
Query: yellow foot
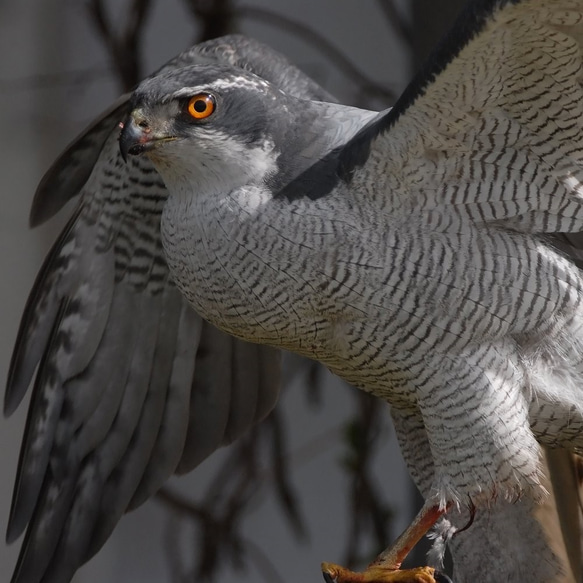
point(375, 574)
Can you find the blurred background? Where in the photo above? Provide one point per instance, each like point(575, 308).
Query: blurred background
point(331, 484)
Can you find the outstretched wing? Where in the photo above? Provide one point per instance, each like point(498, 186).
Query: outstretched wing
point(492, 128)
point(131, 385)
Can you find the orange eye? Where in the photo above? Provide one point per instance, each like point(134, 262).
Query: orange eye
point(201, 105)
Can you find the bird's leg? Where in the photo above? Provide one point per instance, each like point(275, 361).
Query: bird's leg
point(386, 567)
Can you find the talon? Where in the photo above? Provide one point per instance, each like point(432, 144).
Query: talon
point(385, 568)
point(441, 577)
point(328, 573)
point(336, 574)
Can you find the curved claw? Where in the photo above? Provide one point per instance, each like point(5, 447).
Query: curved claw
point(441, 577)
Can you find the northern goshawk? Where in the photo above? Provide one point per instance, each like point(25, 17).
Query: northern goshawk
point(427, 254)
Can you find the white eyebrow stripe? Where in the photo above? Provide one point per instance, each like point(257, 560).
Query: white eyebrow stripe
point(188, 91)
point(221, 84)
point(241, 81)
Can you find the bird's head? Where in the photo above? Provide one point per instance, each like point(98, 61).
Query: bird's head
point(212, 127)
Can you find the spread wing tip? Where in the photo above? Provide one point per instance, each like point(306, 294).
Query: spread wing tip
point(71, 170)
point(13, 394)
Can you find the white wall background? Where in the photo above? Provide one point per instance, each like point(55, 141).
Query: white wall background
point(42, 107)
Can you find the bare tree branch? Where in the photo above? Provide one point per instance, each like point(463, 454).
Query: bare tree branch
point(324, 46)
point(123, 47)
point(235, 487)
point(216, 17)
point(281, 472)
point(369, 511)
point(263, 563)
point(181, 505)
point(136, 20)
point(397, 22)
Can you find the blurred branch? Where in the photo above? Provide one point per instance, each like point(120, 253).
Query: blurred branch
point(314, 38)
point(181, 504)
point(263, 563)
point(216, 17)
point(281, 472)
point(218, 525)
point(124, 46)
point(174, 532)
point(239, 482)
point(397, 22)
point(369, 512)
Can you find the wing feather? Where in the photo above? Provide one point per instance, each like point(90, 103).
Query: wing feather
point(132, 385)
point(491, 130)
point(45, 407)
point(209, 409)
point(172, 435)
point(72, 168)
point(124, 480)
point(37, 322)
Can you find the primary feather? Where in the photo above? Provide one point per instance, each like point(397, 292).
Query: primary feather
point(132, 386)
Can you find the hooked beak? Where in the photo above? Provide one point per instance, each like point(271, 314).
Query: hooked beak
point(137, 135)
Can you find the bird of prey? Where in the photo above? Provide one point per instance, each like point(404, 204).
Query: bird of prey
point(429, 254)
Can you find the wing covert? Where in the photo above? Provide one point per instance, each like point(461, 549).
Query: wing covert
point(491, 130)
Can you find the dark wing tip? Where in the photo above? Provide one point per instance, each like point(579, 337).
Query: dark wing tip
point(13, 530)
point(471, 20)
point(12, 394)
point(32, 335)
point(67, 175)
point(25, 493)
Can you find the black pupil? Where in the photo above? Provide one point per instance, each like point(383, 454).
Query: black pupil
point(200, 105)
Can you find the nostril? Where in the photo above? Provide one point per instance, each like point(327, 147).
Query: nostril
point(140, 120)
